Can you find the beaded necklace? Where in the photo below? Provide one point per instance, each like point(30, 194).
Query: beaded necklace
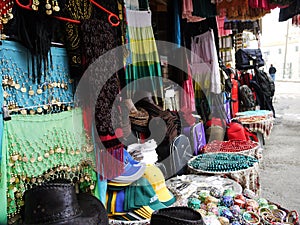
point(222, 162)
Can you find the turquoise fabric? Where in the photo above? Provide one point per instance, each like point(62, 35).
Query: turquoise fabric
point(16, 63)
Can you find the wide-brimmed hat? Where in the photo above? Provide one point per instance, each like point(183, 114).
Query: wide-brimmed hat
point(58, 204)
point(178, 215)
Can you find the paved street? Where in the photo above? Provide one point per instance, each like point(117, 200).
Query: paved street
point(280, 169)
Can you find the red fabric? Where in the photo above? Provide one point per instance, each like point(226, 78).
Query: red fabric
point(234, 97)
point(236, 131)
point(215, 122)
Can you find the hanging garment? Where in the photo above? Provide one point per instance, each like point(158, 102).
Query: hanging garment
point(56, 147)
point(263, 4)
point(204, 63)
point(99, 37)
point(143, 60)
point(290, 11)
point(221, 31)
point(240, 10)
point(188, 97)
point(204, 8)
point(20, 90)
point(187, 12)
point(77, 10)
point(296, 20)
point(280, 3)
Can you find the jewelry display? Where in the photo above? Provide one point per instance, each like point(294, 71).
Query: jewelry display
point(221, 162)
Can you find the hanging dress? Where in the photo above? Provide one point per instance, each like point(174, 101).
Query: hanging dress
point(143, 60)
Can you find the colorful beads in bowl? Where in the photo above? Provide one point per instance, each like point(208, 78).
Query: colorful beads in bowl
point(235, 209)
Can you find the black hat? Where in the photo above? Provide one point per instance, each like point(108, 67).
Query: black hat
point(177, 215)
point(58, 204)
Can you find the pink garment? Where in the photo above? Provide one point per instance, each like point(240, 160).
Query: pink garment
point(187, 10)
point(204, 62)
point(220, 23)
point(262, 4)
point(188, 97)
point(296, 20)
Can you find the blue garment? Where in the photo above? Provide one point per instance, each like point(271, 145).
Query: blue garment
point(16, 62)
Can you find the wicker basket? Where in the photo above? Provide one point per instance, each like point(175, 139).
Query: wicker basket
point(139, 118)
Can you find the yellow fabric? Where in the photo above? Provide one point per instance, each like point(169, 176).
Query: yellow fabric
point(142, 213)
point(113, 202)
point(156, 178)
point(118, 184)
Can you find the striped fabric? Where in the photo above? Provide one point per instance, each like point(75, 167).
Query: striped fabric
point(143, 60)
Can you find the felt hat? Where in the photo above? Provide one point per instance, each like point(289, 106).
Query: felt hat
point(156, 178)
point(178, 215)
point(58, 204)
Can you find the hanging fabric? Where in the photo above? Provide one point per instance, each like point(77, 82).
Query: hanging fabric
point(143, 60)
point(21, 91)
point(292, 10)
point(99, 37)
point(187, 12)
point(204, 63)
point(55, 148)
point(240, 10)
point(204, 8)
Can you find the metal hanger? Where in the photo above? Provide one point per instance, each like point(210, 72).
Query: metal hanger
point(110, 14)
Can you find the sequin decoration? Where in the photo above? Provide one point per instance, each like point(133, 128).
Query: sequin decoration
point(53, 94)
point(56, 147)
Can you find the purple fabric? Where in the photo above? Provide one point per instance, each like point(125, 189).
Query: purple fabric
point(198, 137)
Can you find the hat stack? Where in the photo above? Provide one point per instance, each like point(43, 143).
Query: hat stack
point(133, 170)
point(138, 200)
point(144, 153)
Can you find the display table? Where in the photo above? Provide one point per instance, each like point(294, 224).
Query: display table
point(259, 121)
point(184, 186)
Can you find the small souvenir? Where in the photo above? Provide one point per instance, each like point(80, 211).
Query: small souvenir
point(224, 220)
point(39, 90)
point(235, 209)
point(211, 199)
point(262, 202)
point(227, 201)
point(216, 192)
point(194, 203)
point(227, 213)
point(17, 85)
point(229, 192)
point(203, 194)
point(23, 88)
point(252, 204)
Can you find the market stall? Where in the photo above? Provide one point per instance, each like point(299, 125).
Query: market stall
point(259, 121)
point(112, 100)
